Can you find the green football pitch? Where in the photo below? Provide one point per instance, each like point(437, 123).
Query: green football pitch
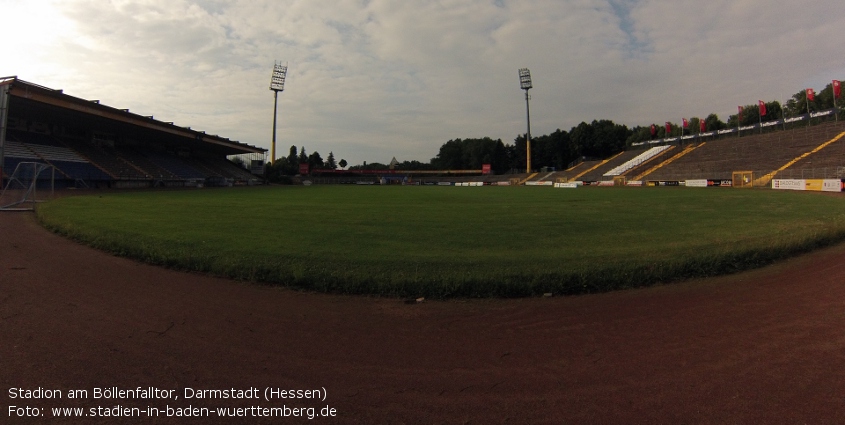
point(453, 241)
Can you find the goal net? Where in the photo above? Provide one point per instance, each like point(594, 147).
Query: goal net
point(30, 183)
point(743, 178)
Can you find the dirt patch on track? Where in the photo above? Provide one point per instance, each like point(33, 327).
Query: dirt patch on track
point(766, 346)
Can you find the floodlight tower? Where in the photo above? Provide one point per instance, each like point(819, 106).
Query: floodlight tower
point(277, 84)
point(525, 84)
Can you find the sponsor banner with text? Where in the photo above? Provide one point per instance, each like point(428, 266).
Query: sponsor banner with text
point(814, 185)
point(720, 183)
point(788, 184)
point(832, 185)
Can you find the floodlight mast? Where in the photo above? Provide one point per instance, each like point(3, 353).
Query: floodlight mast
point(277, 84)
point(525, 84)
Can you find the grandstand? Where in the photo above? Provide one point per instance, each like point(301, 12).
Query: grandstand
point(763, 154)
point(814, 152)
point(94, 145)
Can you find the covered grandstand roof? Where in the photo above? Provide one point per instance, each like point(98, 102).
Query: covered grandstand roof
point(32, 101)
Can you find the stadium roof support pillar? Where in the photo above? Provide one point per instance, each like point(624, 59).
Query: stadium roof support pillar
point(4, 116)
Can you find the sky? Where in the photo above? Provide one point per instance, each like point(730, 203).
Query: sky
point(369, 80)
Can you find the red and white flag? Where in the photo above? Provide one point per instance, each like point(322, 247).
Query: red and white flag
point(702, 125)
point(836, 89)
point(668, 128)
point(811, 95)
point(686, 123)
point(762, 107)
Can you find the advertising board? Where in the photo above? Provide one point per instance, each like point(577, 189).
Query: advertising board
point(814, 185)
point(788, 184)
point(832, 185)
point(697, 183)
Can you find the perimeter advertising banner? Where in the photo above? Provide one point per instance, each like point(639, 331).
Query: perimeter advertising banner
point(831, 185)
point(697, 183)
point(720, 183)
point(788, 184)
point(816, 185)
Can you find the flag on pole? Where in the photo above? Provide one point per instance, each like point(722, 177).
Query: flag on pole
point(686, 123)
point(653, 130)
point(739, 115)
point(811, 95)
point(702, 125)
point(762, 107)
point(668, 128)
point(836, 89)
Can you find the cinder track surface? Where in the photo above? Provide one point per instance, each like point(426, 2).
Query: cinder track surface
point(766, 346)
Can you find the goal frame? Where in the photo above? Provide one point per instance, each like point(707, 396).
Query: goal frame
point(21, 190)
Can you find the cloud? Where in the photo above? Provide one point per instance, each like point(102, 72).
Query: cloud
point(369, 80)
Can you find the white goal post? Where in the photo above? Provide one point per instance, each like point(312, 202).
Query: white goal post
point(21, 191)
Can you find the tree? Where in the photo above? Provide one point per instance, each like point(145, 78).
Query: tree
point(302, 159)
point(289, 165)
point(450, 156)
point(713, 123)
point(330, 162)
point(315, 162)
point(500, 161)
point(640, 134)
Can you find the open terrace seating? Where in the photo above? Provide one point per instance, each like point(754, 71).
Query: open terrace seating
point(759, 153)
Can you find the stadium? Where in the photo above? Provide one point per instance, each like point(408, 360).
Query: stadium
point(704, 349)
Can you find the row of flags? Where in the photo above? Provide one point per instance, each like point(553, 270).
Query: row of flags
point(811, 96)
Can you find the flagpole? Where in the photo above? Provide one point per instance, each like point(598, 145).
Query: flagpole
point(783, 112)
point(835, 109)
point(807, 96)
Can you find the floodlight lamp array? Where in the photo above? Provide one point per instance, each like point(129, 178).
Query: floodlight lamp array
point(525, 78)
point(277, 82)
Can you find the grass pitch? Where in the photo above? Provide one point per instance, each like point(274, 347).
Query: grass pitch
point(454, 241)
